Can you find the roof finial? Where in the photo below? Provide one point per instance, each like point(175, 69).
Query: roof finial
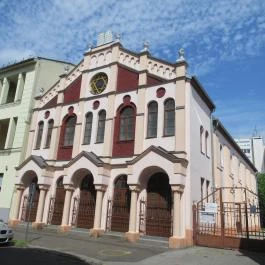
point(181, 54)
point(66, 69)
point(118, 37)
point(90, 46)
point(146, 47)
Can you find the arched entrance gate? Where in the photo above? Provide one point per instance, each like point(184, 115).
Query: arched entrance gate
point(87, 201)
point(121, 205)
point(29, 213)
point(57, 204)
point(159, 206)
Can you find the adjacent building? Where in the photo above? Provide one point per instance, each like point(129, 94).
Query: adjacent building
point(20, 83)
point(125, 142)
point(254, 149)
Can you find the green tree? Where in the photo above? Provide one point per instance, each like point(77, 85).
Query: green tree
point(261, 191)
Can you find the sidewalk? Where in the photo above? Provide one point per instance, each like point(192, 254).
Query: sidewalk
point(110, 250)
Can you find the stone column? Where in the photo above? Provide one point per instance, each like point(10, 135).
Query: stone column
point(177, 240)
point(97, 231)
point(15, 217)
point(38, 224)
point(4, 91)
point(132, 235)
point(20, 86)
point(66, 208)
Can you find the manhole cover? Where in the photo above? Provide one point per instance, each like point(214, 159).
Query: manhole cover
point(114, 252)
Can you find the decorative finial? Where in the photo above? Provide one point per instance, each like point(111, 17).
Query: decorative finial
point(66, 69)
point(146, 47)
point(181, 54)
point(90, 46)
point(118, 37)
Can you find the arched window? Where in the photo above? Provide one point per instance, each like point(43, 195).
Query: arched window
point(206, 143)
point(39, 136)
point(169, 117)
point(127, 119)
point(88, 128)
point(152, 120)
point(101, 126)
point(49, 133)
point(201, 138)
point(69, 132)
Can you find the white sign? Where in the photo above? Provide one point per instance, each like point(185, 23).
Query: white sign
point(210, 207)
point(208, 218)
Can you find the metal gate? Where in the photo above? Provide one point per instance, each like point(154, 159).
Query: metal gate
point(27, 215)
point(121, 205)
point(159, 206)
point(24, 209)
point(57, 206)
point(87, 201)
point(86, 210)
point(229, 218)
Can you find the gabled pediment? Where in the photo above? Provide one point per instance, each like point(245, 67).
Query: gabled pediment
point(39, 160)
point(161, 152)
point(70, 78)
point(94, 159)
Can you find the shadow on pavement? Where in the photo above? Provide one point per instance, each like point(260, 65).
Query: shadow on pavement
point(258, 257)
point(28, 256)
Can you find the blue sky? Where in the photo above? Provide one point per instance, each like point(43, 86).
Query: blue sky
point(224, 42)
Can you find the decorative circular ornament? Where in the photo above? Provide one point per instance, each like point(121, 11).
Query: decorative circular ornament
point(96, 104)
point(70, 110)
point(160, 92)
point(98, 83)
point(46, 115)
point(126, 99)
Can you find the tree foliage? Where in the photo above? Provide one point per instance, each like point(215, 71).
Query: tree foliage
point(261, 191)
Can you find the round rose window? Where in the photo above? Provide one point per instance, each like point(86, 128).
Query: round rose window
point(98, 83)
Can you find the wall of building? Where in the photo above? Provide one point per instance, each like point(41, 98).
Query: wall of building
point(200, 155)
point(35, 76)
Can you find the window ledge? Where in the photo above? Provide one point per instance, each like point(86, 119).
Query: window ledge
point(151, 137)
point(66, 147)
point(173, 135)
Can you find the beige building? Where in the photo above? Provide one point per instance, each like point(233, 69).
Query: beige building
point(124, 143)
point(19, 84)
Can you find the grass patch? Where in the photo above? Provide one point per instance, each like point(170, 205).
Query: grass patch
point(20, 243)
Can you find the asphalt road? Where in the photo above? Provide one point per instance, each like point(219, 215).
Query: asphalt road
point(28, 256)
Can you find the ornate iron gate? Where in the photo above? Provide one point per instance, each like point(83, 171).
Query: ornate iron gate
point(159, 206)
point(30, 215)
point(58, 206)
point(24, 209)
point(86, 209)
point(229, 218)
point(121, 205)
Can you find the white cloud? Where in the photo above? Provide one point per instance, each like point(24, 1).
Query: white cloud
point(54, 29)
point(211, 32)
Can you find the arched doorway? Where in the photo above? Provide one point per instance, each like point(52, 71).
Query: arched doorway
point(31, 213)
point(86, 209)
point(58, 203)
point(121, 205)
point(159, 205)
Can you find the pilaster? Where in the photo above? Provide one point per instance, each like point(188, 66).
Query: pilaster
point(133, 235)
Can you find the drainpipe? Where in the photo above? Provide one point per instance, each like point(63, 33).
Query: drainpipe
point(212, 154)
